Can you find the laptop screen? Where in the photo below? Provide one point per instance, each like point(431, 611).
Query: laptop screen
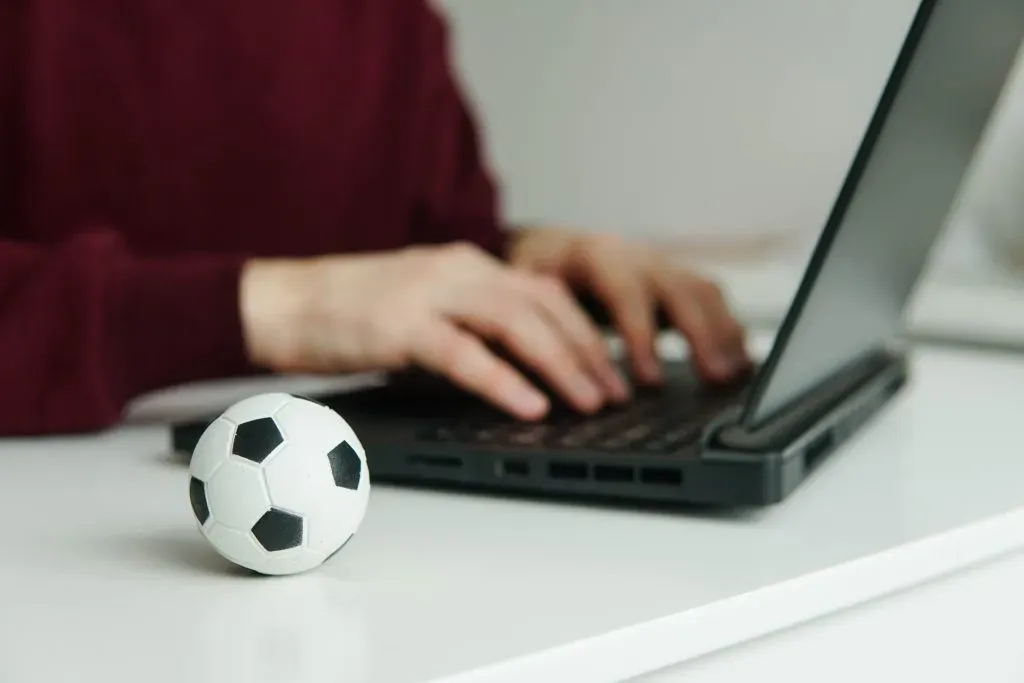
point(897, 197)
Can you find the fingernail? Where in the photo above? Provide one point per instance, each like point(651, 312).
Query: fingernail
point(724, 365)
point(650, 369)
point(616, 385)
point(586, 391)
point(531, 402)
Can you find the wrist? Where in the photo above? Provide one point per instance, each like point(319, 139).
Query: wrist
point(539, 249)
point(514, 236)
point(274, 298)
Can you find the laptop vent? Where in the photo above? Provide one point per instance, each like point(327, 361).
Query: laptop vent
point(568, 470)
point(448, 462)
point(564, 470)
point(515, 468)
point(614, 474)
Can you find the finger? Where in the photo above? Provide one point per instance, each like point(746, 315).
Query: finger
point(519, 325)
point(729, 335)
point(563, 311)
point(632, 307)
point(467, 362)
point(698, 309)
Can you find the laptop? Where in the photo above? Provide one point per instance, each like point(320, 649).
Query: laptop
point(838, 359)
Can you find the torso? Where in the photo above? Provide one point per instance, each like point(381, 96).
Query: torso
point(267, 127)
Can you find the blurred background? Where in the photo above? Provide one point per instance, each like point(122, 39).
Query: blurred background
point(725, 127)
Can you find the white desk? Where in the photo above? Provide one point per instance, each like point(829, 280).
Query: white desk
point(104, 578)
point(963, 628)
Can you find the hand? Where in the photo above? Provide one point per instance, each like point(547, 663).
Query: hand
point(632, 281)
point(433, 307)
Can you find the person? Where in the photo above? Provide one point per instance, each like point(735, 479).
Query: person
point(193, 191)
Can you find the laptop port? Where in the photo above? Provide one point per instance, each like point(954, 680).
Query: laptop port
point(818, 449)
point(515, 468)
point(613, 473)
point(661, 476)
point(435, 461)
point(567, 470)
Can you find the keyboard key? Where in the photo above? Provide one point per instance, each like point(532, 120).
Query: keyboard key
point(485, 435)
point(628, 438)
point(441, 434)
point(638, 432)
point(615, 443)
point(572, 441)
point(673, 439)
point(530, 435)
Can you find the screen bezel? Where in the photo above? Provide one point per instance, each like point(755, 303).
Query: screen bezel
point(749, 417)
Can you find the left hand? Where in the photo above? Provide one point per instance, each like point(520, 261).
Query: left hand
point(632, 281)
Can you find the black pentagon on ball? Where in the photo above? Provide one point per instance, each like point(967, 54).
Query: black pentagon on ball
point(197, 495)
point(278, 530)
point(346, 467)
point(256, 439)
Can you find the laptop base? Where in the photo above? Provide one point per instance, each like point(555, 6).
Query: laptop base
point(723, 466)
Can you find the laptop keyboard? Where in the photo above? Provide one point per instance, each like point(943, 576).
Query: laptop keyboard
point(653, 423)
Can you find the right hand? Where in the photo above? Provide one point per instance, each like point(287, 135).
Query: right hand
point(432, 307)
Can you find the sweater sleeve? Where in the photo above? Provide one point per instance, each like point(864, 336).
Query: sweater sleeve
point(458, 198)
point(85, 326)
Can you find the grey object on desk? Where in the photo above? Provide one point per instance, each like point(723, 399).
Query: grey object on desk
point(837, 359)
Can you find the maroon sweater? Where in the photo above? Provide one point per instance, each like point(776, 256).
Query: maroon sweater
point(148, 147)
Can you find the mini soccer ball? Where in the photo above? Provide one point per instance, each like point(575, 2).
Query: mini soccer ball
point(278, 483)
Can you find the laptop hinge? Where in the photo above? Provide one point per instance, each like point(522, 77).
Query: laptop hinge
point(791, 422)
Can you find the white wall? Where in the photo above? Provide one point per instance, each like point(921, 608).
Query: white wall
point(664, 118)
